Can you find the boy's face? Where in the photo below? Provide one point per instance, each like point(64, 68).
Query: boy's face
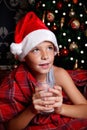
point(41, 58)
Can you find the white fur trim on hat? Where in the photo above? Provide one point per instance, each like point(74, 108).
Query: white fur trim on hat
point(31, 40)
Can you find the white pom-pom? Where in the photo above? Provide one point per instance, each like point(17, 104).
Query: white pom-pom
point(16, 49)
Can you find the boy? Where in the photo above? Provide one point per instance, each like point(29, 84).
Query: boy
point(23, 104)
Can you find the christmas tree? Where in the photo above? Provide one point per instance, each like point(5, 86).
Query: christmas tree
point(68, 20)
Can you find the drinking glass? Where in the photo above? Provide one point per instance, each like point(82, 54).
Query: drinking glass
point(46, 86)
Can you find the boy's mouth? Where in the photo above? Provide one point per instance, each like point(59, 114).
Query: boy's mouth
point(45, 65)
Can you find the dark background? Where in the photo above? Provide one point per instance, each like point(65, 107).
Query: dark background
point(7, 25)
point(12, 10)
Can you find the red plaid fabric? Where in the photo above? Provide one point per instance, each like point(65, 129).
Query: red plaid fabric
point(16, 94)
point(79, 77)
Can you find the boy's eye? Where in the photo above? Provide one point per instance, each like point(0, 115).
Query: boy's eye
point(35, 50)
point(51, 48)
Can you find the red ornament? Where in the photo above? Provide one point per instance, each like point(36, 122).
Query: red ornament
point(59, 5)
point(82, 26)
point(38, 4)
point(54, 28)
point(64, 52)
point(75, 1)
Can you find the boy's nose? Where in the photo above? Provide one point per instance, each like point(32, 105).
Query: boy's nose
point(45, 55)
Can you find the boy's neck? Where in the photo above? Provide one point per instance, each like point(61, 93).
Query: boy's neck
point(41, 78)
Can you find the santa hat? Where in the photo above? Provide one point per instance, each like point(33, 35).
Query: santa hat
point(30, 31)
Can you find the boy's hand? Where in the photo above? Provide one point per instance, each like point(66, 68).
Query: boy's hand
point(57, 92)
point(45, 101)
point(42, 99)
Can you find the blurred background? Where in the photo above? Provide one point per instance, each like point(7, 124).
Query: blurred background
point(66, 18)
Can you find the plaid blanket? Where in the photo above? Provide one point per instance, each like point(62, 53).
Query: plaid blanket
point(79, 77)
point(16, 94)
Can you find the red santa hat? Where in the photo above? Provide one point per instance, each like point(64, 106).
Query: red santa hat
point(30, 31)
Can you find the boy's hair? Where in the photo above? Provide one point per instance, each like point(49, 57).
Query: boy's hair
point(29, 32)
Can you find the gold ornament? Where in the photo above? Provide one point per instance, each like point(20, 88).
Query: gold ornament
point(73, 46)
point(31, 1)
point(50, 16)
point(62, 22)
point(76, 64)
point(71, 13)
point(85, 32)
point(75, 24)
point(43, 18)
